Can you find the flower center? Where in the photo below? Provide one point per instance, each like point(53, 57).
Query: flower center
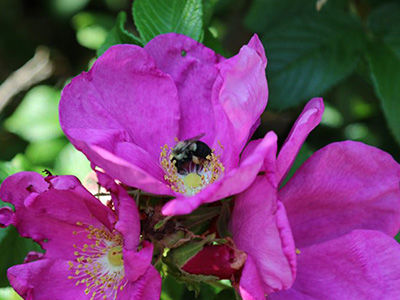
point(114, 256)
point(99, 265)
point(192, 180)
point(187, 173)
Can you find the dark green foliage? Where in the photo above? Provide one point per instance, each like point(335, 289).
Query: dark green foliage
point(154, 17)
point(384, 61)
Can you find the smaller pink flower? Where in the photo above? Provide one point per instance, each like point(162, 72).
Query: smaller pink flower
point(91, 252)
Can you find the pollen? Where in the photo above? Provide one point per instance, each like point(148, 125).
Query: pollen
point(195, 177)
point(98, 264)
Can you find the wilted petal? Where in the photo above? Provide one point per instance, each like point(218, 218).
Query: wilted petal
point(344, 186)
point(360, 265)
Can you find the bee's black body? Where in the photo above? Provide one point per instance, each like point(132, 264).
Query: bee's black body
point(189, 151)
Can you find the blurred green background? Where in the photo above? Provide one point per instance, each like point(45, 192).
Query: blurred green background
point(347, 51)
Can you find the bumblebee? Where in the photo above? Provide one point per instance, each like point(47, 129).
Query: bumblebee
point(189, 151)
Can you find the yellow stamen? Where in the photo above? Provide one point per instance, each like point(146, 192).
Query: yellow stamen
point(203, 174)
point(99, 264)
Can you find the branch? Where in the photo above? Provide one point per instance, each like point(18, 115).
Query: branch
point(37, 69)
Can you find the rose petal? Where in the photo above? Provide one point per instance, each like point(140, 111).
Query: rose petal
point(43, 280)
point(360, 265)
point(260, 228)
point(193, 68)
point(137, 263)
point(344, 186)
point(240, 95)
point(125, 171)
point(305, 123)
point(124, 99)
point(251, 286)
point(147, 287)
point(6, 216)
point(128, 218)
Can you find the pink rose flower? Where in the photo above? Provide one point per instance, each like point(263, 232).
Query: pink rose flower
point(343, 206)
point(91, 252)
point(129, 111)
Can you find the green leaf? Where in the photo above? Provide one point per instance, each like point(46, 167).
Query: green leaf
point(154, 17)
point(266, 14)
point(171, 289)
point(385, 74)
point(36, 118)
point(309, 54)
point(119, 35)
point(385, 23)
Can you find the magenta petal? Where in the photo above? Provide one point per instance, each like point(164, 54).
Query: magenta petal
point(251, 286)
point(239, 97)
point(137, 263)
point(6, 216)
point(305, 123)
point(193, 68)
point(344, 186)
point(48, 209)
point(121, 113)
point(128, 223)
point(124, 90)
point(148, 287)
point(125, 171)
point(360, 265)
point(260, 228)
point(232, 183)
point(43, 280)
